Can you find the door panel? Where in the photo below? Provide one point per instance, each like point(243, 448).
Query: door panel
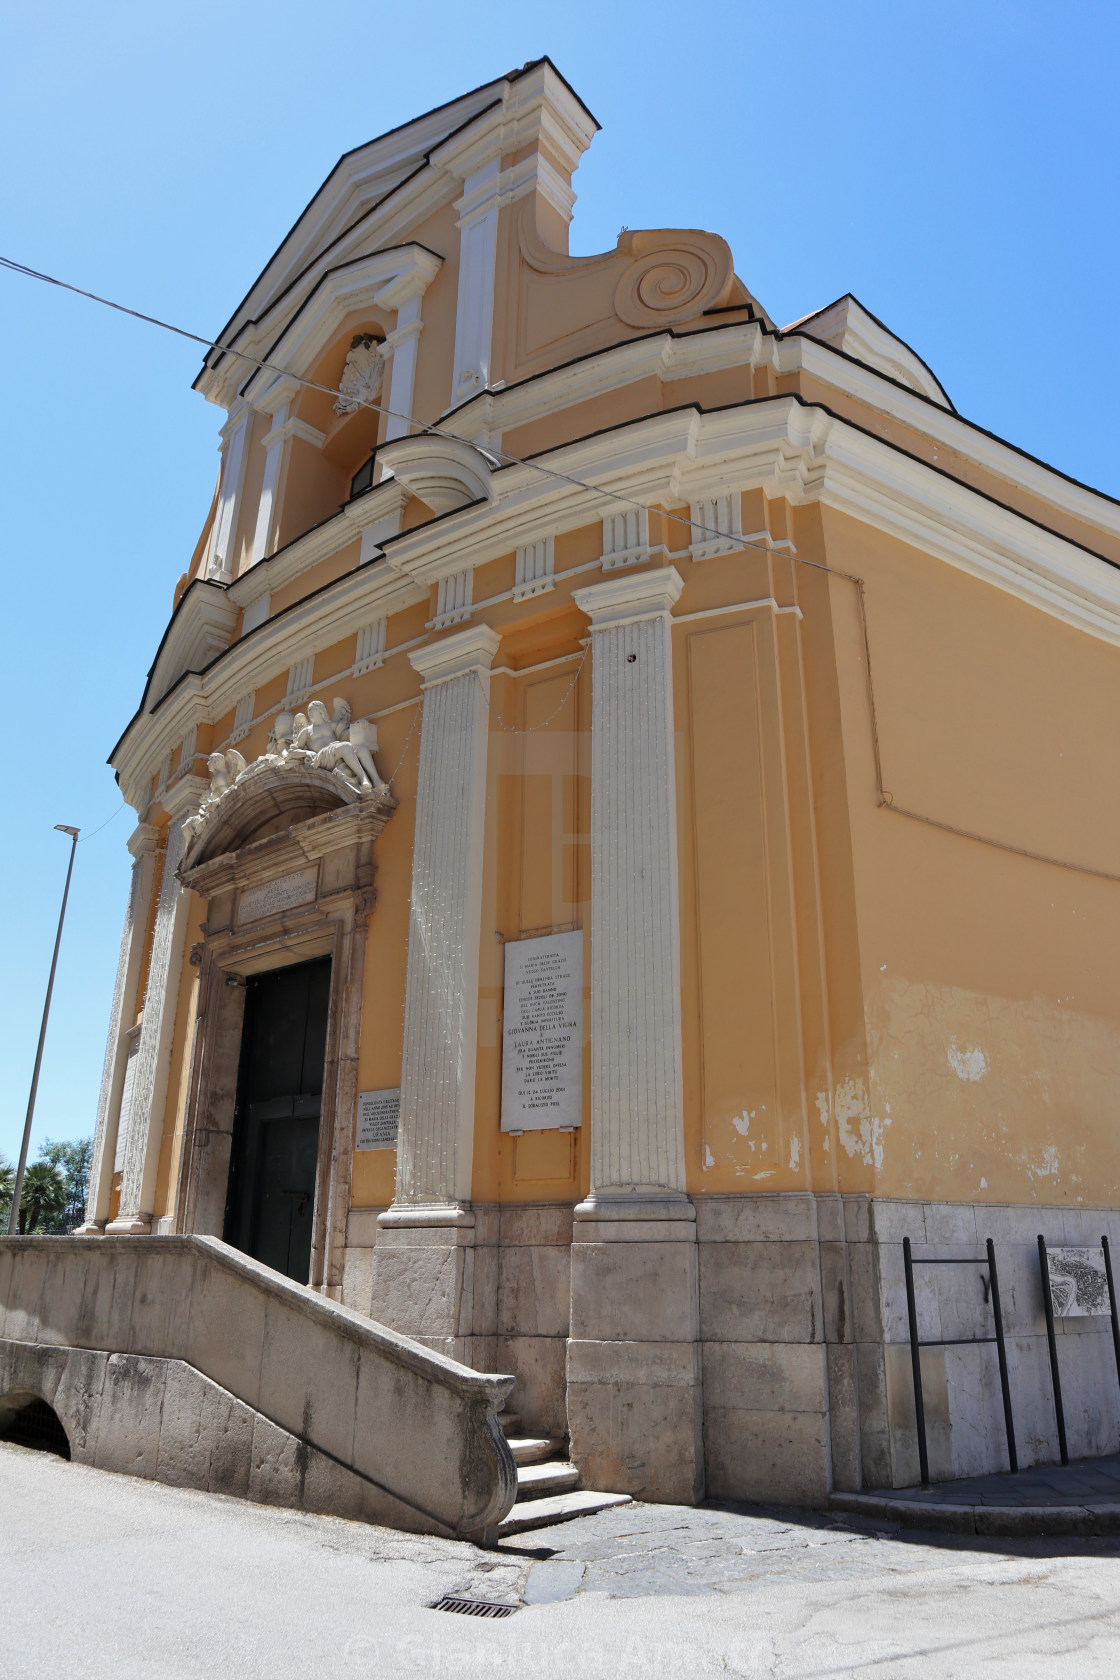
point(275, 1151)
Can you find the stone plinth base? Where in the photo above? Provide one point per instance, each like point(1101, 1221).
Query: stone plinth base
point(635, 1395)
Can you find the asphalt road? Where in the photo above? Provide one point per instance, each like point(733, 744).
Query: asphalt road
point(103, 1576)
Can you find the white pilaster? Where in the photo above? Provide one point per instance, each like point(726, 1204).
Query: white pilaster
point(142, 845)
point(637, 1139)
point(633, 1366)
point(235, 443)
point(478, 252)
point(161, 996)
point(273, 458)
point(436, 1138)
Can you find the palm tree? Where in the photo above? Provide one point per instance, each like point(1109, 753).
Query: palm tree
point(44, 1196)
point(7, 1185)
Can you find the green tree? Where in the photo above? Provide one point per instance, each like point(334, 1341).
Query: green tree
point(72, 1160)
point(44, 1197)
point(7, 1185)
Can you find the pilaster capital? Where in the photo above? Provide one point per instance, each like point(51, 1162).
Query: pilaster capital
point(143, 839)
point(183, 796)
point(468, 650)
point(637, 595)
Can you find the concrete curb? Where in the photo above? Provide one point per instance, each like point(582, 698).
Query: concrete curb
point(1017, 1521)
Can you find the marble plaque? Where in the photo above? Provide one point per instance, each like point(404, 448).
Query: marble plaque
point(379, 1114)
point(542, 1033)
point(272, 898)
point(1078, 1282)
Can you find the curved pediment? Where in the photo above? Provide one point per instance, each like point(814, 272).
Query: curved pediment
point(266, 800)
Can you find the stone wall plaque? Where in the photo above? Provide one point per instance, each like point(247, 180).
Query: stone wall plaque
point(542, 1033)
point(1078, 1282)
point(379, 1114)
point(272, 898)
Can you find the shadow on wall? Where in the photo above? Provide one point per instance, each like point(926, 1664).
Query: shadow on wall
point(27, 1421)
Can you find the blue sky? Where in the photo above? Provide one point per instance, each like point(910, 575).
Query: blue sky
point(953, 165)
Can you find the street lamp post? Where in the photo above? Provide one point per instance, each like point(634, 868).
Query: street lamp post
point(13, 1217)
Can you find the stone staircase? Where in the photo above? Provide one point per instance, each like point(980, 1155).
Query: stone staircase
point(548, 1489)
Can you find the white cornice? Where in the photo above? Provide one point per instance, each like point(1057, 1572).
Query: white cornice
point(200, 629)
point(294, 428)
point(318, 544)
point(204, 696)
point(781, 446)
point(691, 355)
point(384, 279)
point(457, 656)
point(625, 600)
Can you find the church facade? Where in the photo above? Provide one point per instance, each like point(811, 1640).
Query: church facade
point(626, 833)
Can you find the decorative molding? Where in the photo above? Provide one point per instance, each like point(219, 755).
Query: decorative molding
point(471, 651)
point(847, 326)
point(322, 746)
point(255, 614)
point(243, 716)
point(371, 647)
point(444, 472)
point(300, 676)
point(201, 628)
point(625, 538)
point(294, 428)
point(341, 290)
point(782, 446)
point(718, 513)
point(534, 569)
point(453, 600)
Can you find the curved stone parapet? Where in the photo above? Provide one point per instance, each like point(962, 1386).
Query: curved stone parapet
point(181, 1359)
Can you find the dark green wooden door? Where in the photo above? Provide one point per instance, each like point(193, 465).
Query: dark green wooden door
point(276, 1122)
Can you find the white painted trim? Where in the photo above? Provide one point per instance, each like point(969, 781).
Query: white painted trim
point(229, 497)
point(470, 650)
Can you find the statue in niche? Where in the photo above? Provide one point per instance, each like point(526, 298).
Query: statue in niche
point(362, 374)
point(318, 739)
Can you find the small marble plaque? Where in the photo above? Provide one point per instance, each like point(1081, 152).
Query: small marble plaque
point(272, 898)
point(1078, 1282)
point(542, 1034)
point(379, 1114)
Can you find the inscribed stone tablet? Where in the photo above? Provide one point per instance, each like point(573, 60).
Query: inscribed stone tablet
point(271, 898)
point(379, 1114)
point(542, 1034)
point(1078, 1283)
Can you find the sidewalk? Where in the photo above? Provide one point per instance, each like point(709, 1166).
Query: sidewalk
point(1078, 1498)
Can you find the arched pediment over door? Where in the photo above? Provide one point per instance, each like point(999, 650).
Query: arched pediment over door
point(285, 861)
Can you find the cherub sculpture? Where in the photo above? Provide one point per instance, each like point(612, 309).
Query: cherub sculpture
point(362, 375)
point(224, 770)
point(329, 743)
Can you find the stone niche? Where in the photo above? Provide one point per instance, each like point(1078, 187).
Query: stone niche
point(286, 865)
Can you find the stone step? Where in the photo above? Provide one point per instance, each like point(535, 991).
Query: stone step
point(510, 1422)
point(535, 1480)
point(531, 1449)
point(542, 1513)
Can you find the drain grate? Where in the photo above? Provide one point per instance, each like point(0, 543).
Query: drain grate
point(474, 1607)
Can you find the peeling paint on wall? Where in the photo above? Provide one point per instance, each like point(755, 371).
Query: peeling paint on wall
point(967, 1064)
